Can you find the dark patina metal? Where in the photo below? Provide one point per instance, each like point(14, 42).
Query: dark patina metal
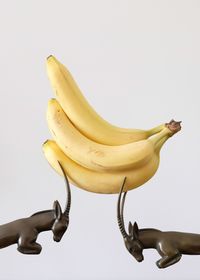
point(25, 231)
point(169, 244)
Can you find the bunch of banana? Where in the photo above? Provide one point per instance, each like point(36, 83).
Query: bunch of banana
point(96, 155)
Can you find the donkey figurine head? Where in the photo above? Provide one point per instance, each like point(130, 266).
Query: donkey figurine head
point(133, 244)
point(25, 231)
point(131, 240)
point(61, 222)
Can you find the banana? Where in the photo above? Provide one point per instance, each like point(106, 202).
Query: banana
point(83, 116)
point(97, 156)
point(94, 181)
point(107, 182)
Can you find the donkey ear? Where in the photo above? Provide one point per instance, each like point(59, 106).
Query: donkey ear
point(57, 209)
point(130, 228)
point(135, 230)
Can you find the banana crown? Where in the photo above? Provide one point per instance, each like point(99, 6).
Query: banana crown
point(160, 138)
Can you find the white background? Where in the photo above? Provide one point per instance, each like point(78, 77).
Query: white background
point(138, 64)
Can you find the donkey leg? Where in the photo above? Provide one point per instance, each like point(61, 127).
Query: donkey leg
point(27, 244)
point(29, 248)
point(168, 260)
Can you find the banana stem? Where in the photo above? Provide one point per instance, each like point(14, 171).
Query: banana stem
point(159, 136)
point(160, 144)
point(155, 130)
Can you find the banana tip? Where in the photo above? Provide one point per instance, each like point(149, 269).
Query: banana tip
point(51, 101)
point(50, 56)
point(45, 142)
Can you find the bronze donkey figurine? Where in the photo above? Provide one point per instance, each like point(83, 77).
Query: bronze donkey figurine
point(169, 244)
point(25, 231)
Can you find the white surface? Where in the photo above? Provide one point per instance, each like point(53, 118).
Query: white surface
point(138, 64)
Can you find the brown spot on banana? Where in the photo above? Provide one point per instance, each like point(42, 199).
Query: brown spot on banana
point(96, 152)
